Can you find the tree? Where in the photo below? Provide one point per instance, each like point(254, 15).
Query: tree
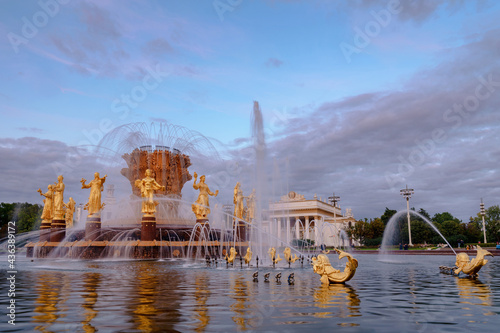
point(28, 217)
point(6, 212)
point(492, 221)
point(359, 231)
point(439, 218)
point(388, 213)
point(6, 215)
point(377, 228)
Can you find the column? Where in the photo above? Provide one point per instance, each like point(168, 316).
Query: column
point(278, 227)
point(307, 228)
point(317, 225)
point(297, 230)
point(288, 230)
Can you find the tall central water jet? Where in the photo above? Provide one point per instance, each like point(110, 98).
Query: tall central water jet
point(259, 145)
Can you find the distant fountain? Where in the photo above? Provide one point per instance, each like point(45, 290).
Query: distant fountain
point(390, 231)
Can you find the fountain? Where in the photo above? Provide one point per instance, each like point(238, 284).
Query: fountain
point(390, 231)
point(155, 221)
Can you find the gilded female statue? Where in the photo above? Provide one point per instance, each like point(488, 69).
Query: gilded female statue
point(70, 210)
point(148, 185)
point(201, 207)
point(59, 199)
point(48, 207)
point(238, 202)
point(96, 186)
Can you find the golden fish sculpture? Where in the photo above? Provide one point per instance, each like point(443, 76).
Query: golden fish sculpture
point(248, 256)
point(232, 255)
point(329, 275)
point(471, 267)
point(275, 257)
point(288, 256)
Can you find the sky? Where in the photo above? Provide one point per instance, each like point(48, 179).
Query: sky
point(358, 98)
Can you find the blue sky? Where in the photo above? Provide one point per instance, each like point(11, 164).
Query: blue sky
point(348, 124)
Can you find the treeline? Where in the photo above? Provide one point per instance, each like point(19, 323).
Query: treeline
point(370, 232)
point(26, 216)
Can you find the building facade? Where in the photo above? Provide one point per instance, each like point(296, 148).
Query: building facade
point(315, 221)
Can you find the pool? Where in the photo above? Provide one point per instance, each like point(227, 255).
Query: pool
point(404, 293)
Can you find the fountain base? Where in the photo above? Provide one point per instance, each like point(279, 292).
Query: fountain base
point(57, 230)
point(137, 249)
point(45, 231)
point(148, 228)
point(92, 228)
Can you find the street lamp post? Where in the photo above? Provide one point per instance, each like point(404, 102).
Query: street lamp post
point(482, 212)
point(333, 200)
point(407, 192)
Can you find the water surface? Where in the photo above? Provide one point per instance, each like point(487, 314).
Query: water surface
point(406, 293)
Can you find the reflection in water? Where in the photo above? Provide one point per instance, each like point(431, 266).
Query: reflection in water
point(91, 282)
point(240, 295)
point(48, 288)
point(201, 295)
point(147, 292)
point(341, 300)
point(473, 292)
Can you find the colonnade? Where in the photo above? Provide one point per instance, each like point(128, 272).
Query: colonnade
point(282, 227)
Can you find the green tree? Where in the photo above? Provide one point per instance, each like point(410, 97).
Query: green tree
point(359, 231)
point(388, 213)
point(28, 217)
point(492, 221)
point(439, 218)
point(474, 230)
point(377, 228)
point(6, 215)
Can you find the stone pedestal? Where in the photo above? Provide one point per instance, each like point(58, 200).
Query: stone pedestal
point(92, 228)
point(148, 228)
point(241, 231)
point(202, 231)
point(57, 230)
point(45, 231)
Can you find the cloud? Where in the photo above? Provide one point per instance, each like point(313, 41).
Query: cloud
point(367, 147)
point(97, 46)
point(158, 47)
point(274, 62)
point(30, 163)
point(31, 129)
point(416, 11)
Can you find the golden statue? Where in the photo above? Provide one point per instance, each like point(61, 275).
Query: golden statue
point(201, 207)
point(275, 258)
point(288, 256)
point(48, 203)
point(238, 202)
point(59, 199)
point(248, 256)
point(148, 185)
point(250, 210)
point(70, 210)
point(329, 275)
point(471, 267)
point(232, 252)
point(94, 205)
